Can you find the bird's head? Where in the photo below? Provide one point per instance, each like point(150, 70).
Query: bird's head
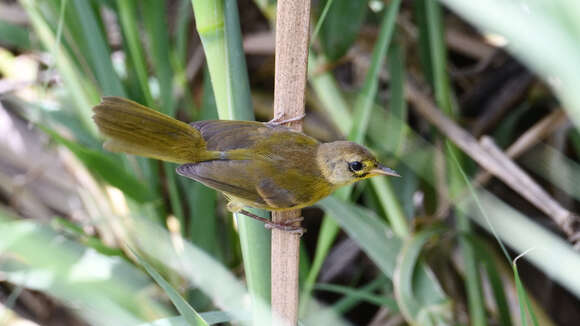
point(344, 162)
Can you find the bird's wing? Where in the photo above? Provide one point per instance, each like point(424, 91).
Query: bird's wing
point(228, 176)
point(274, 195)
point(225, 135)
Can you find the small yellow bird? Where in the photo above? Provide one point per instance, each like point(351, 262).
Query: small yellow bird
point(262, 165)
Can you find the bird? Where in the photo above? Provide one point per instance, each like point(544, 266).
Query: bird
point(255, 164)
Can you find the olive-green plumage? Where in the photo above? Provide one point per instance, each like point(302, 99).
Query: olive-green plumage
point(256, 164)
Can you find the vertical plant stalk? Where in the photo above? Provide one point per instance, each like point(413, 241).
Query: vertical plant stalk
point(292, 31)
point(218, 25)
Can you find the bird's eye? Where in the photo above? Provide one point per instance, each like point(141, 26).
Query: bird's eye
point(355, 166)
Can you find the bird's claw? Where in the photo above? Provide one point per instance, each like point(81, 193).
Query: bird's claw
point(287, 225)
point(277, 121)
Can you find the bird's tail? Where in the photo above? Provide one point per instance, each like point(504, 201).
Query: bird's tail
point(136, 129)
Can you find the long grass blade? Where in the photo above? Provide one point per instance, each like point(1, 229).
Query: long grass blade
point(443, 97)
point(187, 312)
point(218, 26)
point(329, 229)
point(98, 50)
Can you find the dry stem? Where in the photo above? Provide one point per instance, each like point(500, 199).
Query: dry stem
point(493, 159)
point(292, 32)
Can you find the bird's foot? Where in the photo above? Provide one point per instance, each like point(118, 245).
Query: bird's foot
point(277, 121)
point(288, 226)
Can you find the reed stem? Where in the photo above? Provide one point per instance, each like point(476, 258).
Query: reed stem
point(292, 32)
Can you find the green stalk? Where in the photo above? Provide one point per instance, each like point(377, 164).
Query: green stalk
point(443, 98)
point(219, 29)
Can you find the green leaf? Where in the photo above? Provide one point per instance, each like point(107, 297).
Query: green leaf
point(127, 12)
point(66, 226)
point(341, 26)
point(366, 97)
point(386, 251)
point(418, 306)
point(155, 19)
point(106, 168)
point(359, 294)
point(82, 92)
point(187, 312)
point(348, 302)
point(218, 26)
point(211, 317)
point(542, 34)
point(361, 117)
point(363, 226)
point(98, 51)
point(104, 290)
point(523, 300)
point(487, 260)
point(14, 35)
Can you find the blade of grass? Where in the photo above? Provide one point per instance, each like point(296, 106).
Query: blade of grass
point(187, 312)
point(83, 93)
point(105, 290)
point(329, 229)
point(523, 300)
point(345, 304)
point(98, 50)
point(154, 16)
point(106, 168)
point(384, 248)
point(419, 308)
point(74, 231)
point(341, 27)
point(127, 12)
point(488, 262)
point(155, 21)
point(328, 93)
point(395, 132)
point(198, 268)
point(540, 37)
point(500, 220)
point(211, 317)
point(359, 295)
point(202, 200)
point(179, 58)
point(320, 21)
point(219, 29)
point(443, 97)
point(366, 97)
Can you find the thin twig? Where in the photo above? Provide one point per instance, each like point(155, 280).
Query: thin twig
point(292, 31)
point(527, 140)
point(490, 157)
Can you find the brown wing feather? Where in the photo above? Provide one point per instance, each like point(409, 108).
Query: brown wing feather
point(274, 195)
point(224, 135)
point(228, 176)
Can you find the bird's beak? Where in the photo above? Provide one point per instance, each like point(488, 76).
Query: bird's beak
point(383, 170)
